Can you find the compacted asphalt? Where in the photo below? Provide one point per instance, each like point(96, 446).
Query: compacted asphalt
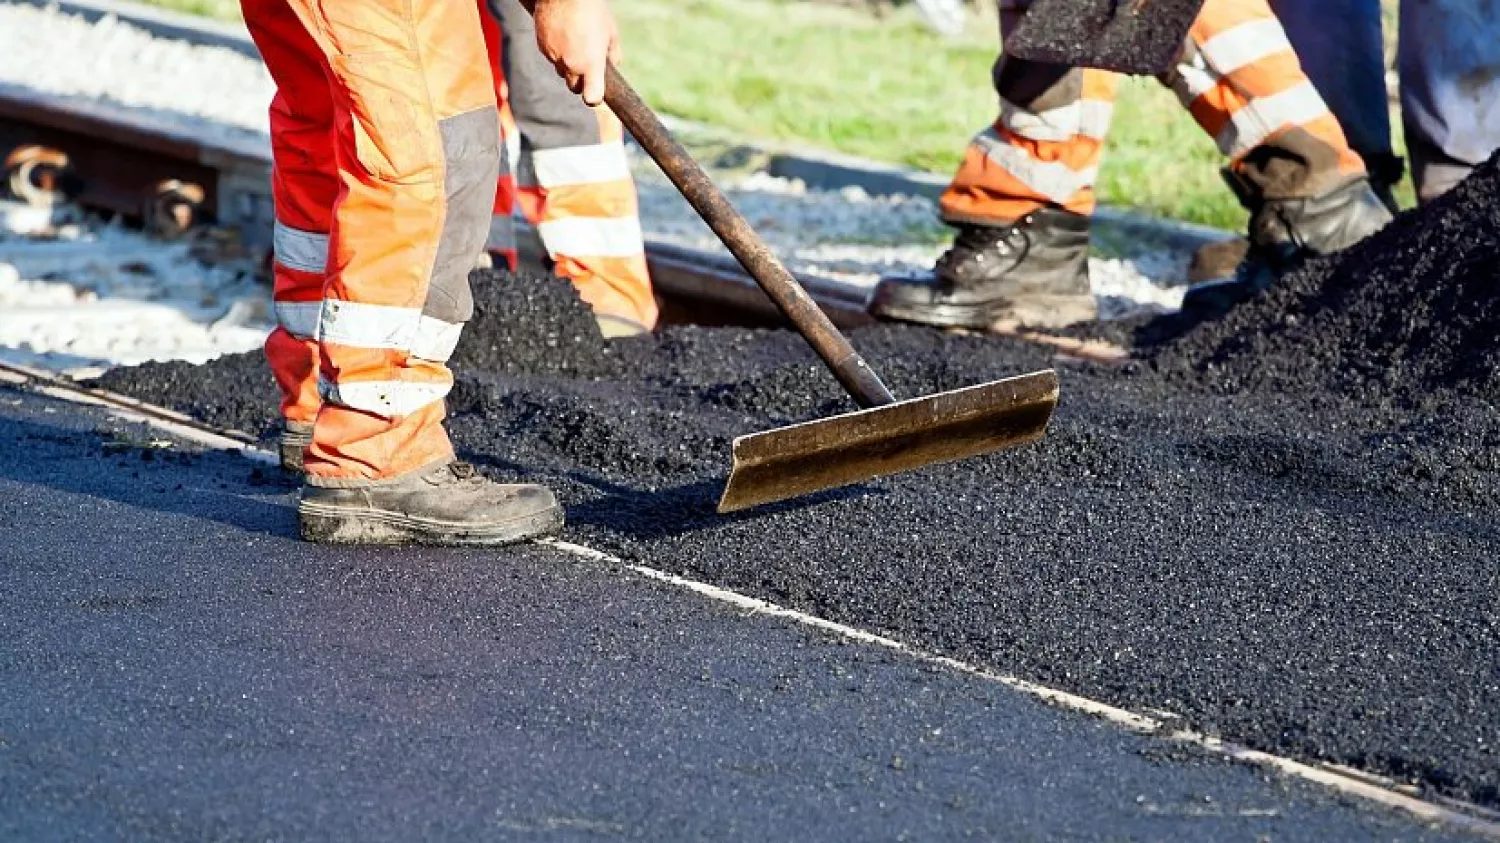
point(175, 665)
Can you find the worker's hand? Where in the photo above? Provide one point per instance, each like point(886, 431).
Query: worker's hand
point(577, 36)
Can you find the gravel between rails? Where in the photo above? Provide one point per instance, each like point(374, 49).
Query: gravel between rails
point(89, 295)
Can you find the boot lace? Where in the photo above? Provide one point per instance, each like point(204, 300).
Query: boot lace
point(973, 243)
point(464, 472)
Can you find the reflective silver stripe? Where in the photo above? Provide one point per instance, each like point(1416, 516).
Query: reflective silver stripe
point(304, 251)
point(602, 237)
point(369, 325)
point(386, 398)
point(435, 339)
point(571, 165)
point(1089, 118)
point(1052, 180)
point(1245, 44)
point(299, 318)
point(397, 328)
point(512, 142)
point(1263, 116)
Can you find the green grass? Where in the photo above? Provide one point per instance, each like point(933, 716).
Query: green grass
point(889, 89)
point(221, 9)
point(879, 86)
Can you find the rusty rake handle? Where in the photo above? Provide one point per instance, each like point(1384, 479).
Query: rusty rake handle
point(846, 364)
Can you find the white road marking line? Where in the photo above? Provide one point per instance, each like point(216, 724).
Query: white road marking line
point(1469, 818)
point(1452, 813)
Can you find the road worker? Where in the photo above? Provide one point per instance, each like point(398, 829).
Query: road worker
point(1022, 198)
point(1448, 62)
point(386, 144)
point(564, 168)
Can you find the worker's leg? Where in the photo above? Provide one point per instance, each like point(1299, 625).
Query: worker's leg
point(501, 243)
point(1245, 86)
point(304, 183)
point(1020, 202)
point(1043, 150)
point(1289, 162)
point(417, 149)
point(1449, 59)
point(1340, 46)
point(574, 182)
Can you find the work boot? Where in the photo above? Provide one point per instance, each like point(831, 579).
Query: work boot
point(1285, 232)
point(1033, 272)
point(295, 438)
point(445, 505)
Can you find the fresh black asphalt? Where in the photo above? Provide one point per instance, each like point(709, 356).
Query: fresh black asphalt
point(174, 665)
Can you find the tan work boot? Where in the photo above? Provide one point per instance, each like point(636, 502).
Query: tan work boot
point(445, 505)
point(295, 439)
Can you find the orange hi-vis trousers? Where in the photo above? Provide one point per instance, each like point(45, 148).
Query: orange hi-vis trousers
point(1237, 76)
point(567, 174)
point(386, 147)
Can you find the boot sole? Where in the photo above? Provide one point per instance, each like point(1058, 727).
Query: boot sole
point(1030, 312)
point(334, 525)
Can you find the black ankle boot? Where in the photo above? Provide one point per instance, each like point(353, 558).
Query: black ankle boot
point(1285, 232)
point(1031, 273)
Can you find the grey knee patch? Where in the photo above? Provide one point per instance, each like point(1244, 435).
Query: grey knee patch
point(471, 152)
point(548, 114)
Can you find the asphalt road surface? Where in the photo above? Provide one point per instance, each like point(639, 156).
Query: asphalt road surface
point(175, 665)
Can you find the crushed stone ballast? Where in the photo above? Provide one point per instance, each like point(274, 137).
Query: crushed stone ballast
point(1348, 781)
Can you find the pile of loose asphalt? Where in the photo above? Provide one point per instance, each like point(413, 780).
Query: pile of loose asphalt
point(1279, 525)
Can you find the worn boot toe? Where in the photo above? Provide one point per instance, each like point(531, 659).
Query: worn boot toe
point(447, 505)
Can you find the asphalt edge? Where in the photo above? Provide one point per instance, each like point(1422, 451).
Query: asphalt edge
point(1453, 814)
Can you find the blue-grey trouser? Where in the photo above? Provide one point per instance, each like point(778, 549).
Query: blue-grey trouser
point(1448, 61)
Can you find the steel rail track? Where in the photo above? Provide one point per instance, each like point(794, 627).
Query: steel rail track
point(123, 161)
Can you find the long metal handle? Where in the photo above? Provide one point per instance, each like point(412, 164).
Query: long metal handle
point(846, 364)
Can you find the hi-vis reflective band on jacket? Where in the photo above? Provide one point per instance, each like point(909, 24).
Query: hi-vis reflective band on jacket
point(567, 173)
point(1238, 77)
point(386, 148)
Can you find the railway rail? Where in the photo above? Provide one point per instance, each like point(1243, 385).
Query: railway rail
point(113, 159)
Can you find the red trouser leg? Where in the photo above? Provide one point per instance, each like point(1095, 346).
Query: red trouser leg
point(304, 184)
point(501, 242)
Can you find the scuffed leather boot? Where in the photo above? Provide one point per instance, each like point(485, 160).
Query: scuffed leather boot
point(1033, 273)
point(1285, 232)
point(295, 439)
point(445, 505)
